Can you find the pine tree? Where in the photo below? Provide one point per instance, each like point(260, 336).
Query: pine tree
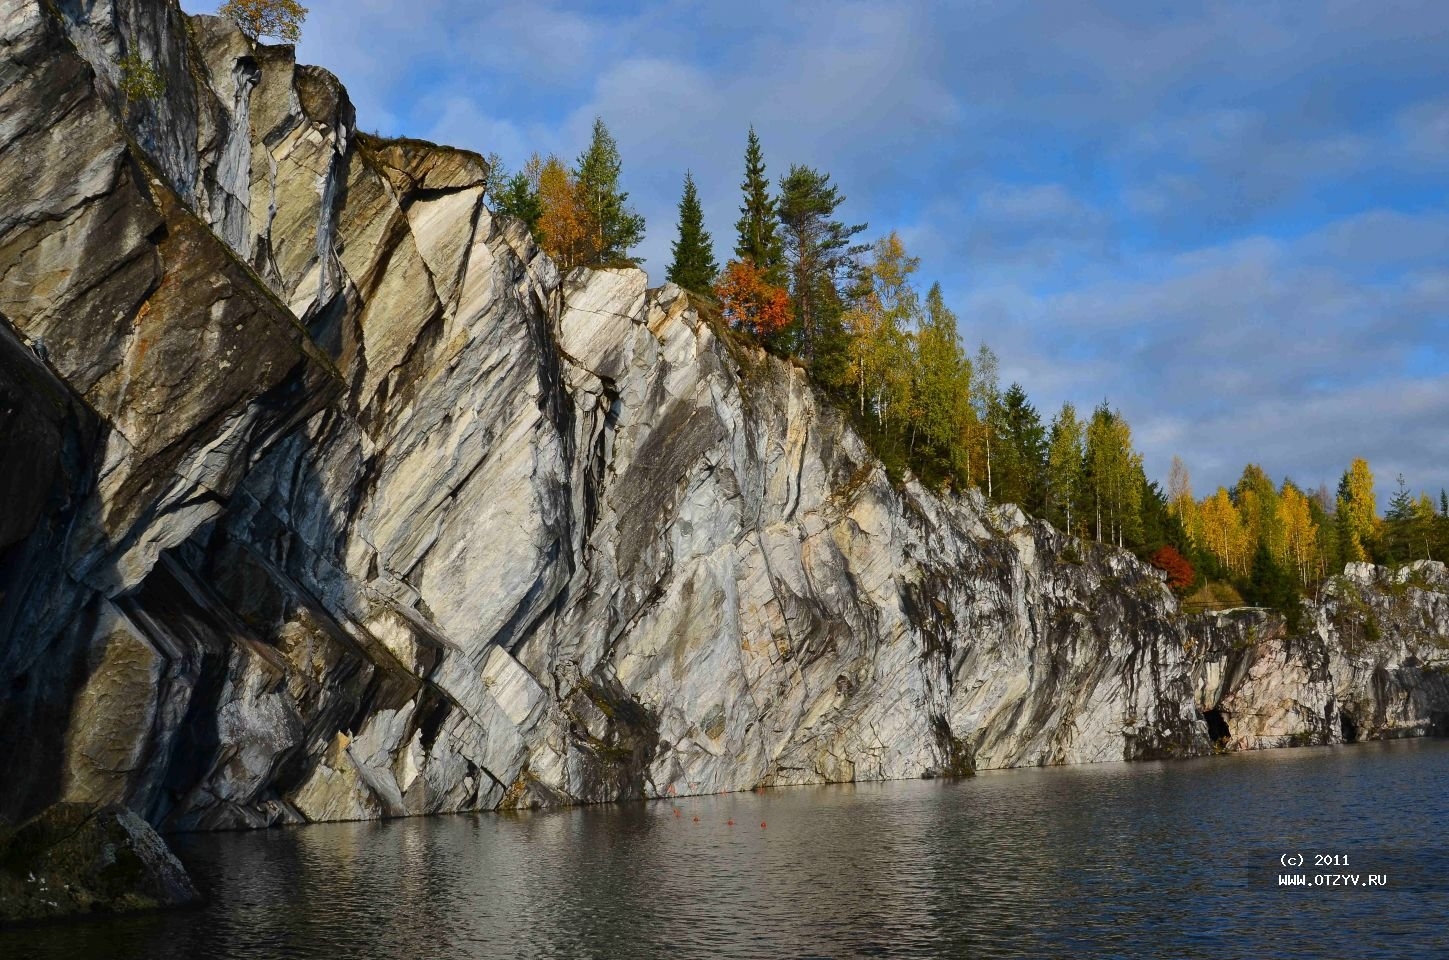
point(616, 228)
point(818, 248)
point(694, 267)
point(759, 224)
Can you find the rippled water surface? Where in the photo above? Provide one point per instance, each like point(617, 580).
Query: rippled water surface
point(1170, 860)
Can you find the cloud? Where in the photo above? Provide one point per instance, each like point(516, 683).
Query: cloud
point(1229, 218)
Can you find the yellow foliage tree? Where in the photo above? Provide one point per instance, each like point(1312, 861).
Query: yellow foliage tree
point(1223, 532)
point(266, 18)
point(1358, 517)
point(1300, 533)
point(566, 230)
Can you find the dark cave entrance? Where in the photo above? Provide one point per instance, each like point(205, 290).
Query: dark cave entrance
point(1439, 723)
point(1217, 725)
point(1347, 726)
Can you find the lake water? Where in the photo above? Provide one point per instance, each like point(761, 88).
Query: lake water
point(1159, 859)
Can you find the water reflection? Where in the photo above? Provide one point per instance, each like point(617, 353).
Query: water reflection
point(1115, 860)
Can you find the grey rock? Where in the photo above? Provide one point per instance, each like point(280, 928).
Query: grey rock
point(356, 508)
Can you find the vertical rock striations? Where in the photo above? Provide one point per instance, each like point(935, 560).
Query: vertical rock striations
point(326, 497)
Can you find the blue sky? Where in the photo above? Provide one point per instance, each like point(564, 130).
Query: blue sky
point(1231, 219)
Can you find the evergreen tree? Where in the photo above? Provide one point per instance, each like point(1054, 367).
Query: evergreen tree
point(1271, 585)
point(693, 267)
point(515, 195)
point(818, 249)
point(938, 347)
point(759, 224)
point(616, 228)
point(1443, 502)
point(1023, 452)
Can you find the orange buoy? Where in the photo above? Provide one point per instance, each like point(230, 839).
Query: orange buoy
point(729, 823)
point(762, 824)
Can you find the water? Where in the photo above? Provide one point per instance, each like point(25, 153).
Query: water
point(1151, 860)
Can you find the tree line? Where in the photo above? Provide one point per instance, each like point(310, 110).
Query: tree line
point(804, 285)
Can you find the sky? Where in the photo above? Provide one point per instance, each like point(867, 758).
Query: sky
point(1230, 220)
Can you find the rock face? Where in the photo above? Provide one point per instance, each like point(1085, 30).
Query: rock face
point(326, 497)
point(74, 859)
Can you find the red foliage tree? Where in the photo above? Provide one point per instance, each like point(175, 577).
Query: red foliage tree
point(749, 302)
point(1178, 568)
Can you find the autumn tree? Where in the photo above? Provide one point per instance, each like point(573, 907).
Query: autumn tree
point(749, 302)
point(1223, 533)
point(884, 309)
point(1357, 513)
point(1114, 475)
point(945, 385)
point(613, 227)
point(1257, 502)
point(566, 228)
point(758, 228)
point(1180, 574)
point(693, 266)
point(818, 248)
point(1300, 533)
point(266, 18)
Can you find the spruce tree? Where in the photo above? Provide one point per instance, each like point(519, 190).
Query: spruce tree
point(759, 223)
point(616, 228)
point(694, 267)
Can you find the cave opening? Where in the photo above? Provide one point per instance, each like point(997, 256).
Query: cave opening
point(1217, 725)
point(1347, 726)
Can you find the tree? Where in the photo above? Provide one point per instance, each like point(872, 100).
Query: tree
point(759, 224)
point(817, 247)
point(1257, 501)
point(986, 399)
point(1180, 574)
point(1223, 533)
point(1357, 513)
point(1114, 475)
point(1023, 446)
point(693, 267)
point(1399, 524)
point(1064, 466)
point(516, 195)
point(945, 378)
point(885, 306)
point(748, 302)
point(1180, 502)
point(1300, 532)
point(565, 227)
point(614, 227)
point(1270, 585)
point(266, 18)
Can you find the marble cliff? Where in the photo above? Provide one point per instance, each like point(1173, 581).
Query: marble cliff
point(323, 495)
